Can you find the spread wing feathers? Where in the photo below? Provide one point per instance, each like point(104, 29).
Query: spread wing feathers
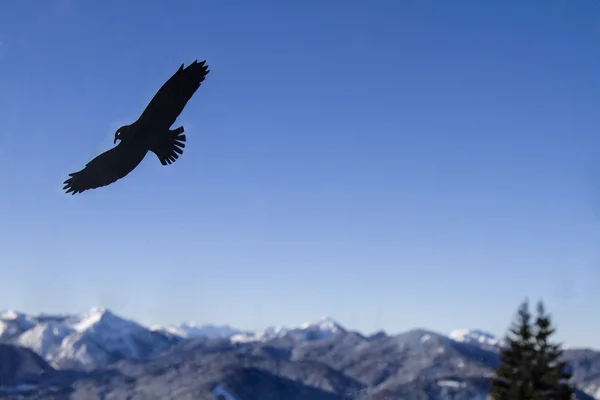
point(168, 147)
point(105, 169)
point(171, 98)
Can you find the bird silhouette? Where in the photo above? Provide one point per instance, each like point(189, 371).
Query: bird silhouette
point(151, 132)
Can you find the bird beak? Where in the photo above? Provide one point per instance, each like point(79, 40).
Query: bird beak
point(115, 141)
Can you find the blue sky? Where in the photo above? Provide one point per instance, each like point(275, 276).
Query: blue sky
point(390, 164)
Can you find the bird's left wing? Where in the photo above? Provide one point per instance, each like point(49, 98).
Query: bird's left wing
point(171, 98)
point(105, 169)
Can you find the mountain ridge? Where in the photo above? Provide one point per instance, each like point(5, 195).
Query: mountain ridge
point(320, 358)
point(45, 326)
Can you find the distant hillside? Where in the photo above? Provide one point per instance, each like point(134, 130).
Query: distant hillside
point(98, 354)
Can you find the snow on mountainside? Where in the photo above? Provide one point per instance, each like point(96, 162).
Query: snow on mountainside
point(477, 337)
point(98, 336)
point(324, 324)
point(418, 361)
point(90, 339)
point(322, 328)
point(319, 329)
point(259, 336)
point(13, 323)
point(189, 330)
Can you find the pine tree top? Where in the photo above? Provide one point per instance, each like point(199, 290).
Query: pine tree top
point(530, 366)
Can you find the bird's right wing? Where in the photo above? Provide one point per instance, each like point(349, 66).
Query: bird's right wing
point(105, 169)
point(171, 98)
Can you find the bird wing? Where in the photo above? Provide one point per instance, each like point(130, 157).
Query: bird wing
point(171, 98)
point(106, 168)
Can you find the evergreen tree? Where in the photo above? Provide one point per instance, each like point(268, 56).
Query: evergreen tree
point(550, 373)
point(513, 379)
point(530, 366)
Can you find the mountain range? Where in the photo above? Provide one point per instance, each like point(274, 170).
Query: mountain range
point(98, 354)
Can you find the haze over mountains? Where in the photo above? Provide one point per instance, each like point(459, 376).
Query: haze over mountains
point(98, 353)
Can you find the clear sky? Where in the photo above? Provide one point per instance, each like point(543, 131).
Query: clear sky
point(392, 164)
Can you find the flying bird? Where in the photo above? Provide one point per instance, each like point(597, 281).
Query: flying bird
point(151, 132)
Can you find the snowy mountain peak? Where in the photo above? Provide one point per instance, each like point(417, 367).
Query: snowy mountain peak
point(98, 311)
point(476, 336)
point(11, 314)
point(259, 336)
point(321, 328)
point(94, 337)
point(94, 316)
point(189, 330)
point(13, 323)
point(323, 324)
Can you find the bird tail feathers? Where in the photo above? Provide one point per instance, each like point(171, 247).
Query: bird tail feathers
point(170, 147)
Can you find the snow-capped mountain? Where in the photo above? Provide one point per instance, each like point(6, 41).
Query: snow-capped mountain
point(322, 328)
point(325, 325)
point(13, 323)
point(98, 337)
point(477, 337)
point(263, 335)
point(93, 338)
point(189, 330)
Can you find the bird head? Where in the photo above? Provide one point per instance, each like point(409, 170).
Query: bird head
point(119, 133)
